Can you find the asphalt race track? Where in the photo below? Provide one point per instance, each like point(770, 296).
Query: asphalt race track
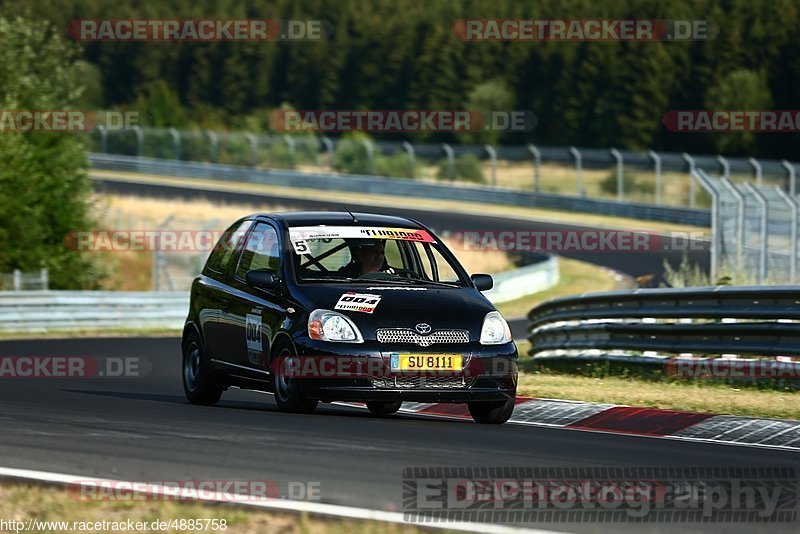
point(142, 428)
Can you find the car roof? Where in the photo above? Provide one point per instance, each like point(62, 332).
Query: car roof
point(341, 218)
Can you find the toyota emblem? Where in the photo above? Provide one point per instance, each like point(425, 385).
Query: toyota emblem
point(423, 328)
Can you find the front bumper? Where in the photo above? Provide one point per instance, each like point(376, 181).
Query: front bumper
point(489, 373)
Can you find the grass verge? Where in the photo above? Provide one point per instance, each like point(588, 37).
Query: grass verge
point(655, 390)
point(23, 502)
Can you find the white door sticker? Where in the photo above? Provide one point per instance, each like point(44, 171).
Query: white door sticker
point(360, 302)
point(253, 332)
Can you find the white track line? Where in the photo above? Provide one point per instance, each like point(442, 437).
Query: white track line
point(282, 505)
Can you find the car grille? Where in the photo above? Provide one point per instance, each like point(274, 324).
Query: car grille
point(405, 335)
point(423, 382)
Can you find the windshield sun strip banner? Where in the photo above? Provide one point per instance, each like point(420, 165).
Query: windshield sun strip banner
point(299, 235)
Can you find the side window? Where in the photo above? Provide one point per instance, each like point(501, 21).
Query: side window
point(260, 252)
point(226, 246)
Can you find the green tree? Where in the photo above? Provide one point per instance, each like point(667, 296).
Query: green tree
point(744, 90)
point(494, 95)
point(44, 189)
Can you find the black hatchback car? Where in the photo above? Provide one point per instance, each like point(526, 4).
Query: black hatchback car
point(329, 306)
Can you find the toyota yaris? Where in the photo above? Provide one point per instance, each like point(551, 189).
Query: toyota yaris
point(328, 306)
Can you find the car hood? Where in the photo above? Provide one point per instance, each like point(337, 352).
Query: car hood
point(407, 306)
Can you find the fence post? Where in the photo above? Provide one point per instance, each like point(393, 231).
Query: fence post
point(726, 168)
point(176, 142)
point(690, 161)
point(757, 168)
point(368, 146)
point(792, 177)
point(493, 159)
point(451, 163)
point(740, 207)
point(578, 170)
point(620, 172)
point(253, 141)
point(537, 167)
point(103, 138)
point(139, 141)
point(657, 170)
point(762, 253)
point(214, 139)
point(716, 227)
point(17, 280)
point(410, 150)
point(290, 145)
point(793, 207)
point(329, 149)
point(44, 276)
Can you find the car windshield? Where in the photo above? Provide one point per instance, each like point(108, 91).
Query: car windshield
point(373, 254)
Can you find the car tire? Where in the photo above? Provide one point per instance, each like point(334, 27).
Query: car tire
point(383, 408)
point(199, 383)
point(288, 391)
point(491, 413)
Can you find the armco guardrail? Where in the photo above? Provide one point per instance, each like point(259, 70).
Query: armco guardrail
point(41, 311)
point(524, 281)
point(712, 321)
point(401, 187)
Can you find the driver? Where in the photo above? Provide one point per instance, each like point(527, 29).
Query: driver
point(367, 256)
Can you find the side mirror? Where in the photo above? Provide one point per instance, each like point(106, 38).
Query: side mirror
point(483, 282)
point(263, 280)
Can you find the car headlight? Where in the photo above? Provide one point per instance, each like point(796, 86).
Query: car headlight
point(327, 325)
point(495, 330)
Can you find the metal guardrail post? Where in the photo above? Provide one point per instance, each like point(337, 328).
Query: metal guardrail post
point(726, 167)
point(537, 167)
point(764, 245)
point(103, 138)
point(620, 174)
point(139, 140)
point(253, 141)
point(411, 163)
point(451, 161)
point(657, 170)
point(214, 140)
point(757, 168)
point(176, 142)
point(740, 207)
point(368, 146)
point(793, 206)
point(578, 170)
point(44, 276)
point(329, 149)
point(17, 280)
point(493, 159)
point(792, 177)
point(690, 161)
point(290, 144)
point(716, 227)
